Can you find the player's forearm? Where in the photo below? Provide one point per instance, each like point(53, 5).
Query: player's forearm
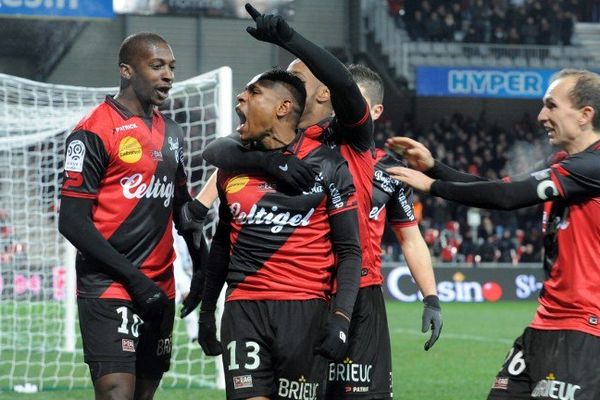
point(491, 194)
point(209, 192)
point(216, 269)
point(418, 259)
point(75, 223)
point(445, 173)
point(346, 243)
point(228, 154)
point(349, 104)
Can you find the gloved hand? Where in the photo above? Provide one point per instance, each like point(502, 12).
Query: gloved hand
point(149, 300)
point(296, 174)
point(207, 334)
point(269, 28)
point(432, 316)
point(334, 341)
point(191, 219)
point(194, 297)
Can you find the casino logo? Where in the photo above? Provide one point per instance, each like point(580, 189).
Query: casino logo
point(236, 184)
point(130, 150)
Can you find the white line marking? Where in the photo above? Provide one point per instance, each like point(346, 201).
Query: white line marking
point(456, 336)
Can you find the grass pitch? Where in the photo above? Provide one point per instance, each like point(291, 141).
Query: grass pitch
point(461, 365)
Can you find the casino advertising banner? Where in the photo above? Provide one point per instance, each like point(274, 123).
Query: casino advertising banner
point(468, 285)
point(510, 83)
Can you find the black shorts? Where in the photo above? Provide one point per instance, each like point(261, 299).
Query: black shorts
point(116, 340)
point(367, 371)
point(268, 348)
point(550, 365)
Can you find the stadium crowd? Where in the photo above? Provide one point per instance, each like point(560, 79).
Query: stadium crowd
point(485, 149)
point(530, 22)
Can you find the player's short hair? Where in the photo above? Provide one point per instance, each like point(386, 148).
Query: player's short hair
point(135, 44)
point(585, 92)
point(291, 82)
point(370, 80)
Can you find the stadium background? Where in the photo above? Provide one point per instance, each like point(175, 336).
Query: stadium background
point(490, 259)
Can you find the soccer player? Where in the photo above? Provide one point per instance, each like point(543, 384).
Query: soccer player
point(557, 355)
point(123, 176)
point(279, 252)
point(351, 133)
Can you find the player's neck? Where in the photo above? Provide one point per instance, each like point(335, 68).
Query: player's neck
point(582, 142)
point(133, 104)
point(278, 138)
point(314, 115)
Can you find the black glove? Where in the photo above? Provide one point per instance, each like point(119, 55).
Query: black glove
point(194, 297)
point(432, 316)
point(334, 341)
point(149, 300)
point(207, 334)
point(191, 219)
point(269, 28)
point(294, 173)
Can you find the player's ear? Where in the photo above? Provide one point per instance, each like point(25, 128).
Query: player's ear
point(376, 111)
point(323, 94)
point(125, 70)
point(586, 116)
point(285, 108)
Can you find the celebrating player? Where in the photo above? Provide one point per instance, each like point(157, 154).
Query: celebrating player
point(278, 251)
point(351, 133)
point(557, 355)
point(123, 176)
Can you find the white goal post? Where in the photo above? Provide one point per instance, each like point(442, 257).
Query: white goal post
point(40, 345)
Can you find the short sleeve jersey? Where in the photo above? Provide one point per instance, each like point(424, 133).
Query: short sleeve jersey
point(570, 298)
point(129, 166)
point(280, 243)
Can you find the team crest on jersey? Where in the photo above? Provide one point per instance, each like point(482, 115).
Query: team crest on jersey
point(236, 184)
point(75, 156)
point(130, 150)
point(174, 147)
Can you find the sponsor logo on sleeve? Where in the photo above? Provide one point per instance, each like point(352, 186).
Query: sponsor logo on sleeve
point(130, 150)
point(75, 156)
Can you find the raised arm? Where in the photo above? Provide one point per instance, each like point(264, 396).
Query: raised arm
point(350, 107)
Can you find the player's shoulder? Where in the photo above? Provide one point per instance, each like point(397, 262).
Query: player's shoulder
point(102, 120)
point(384, 159)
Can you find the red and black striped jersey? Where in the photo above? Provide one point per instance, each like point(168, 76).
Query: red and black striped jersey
point(570, 298)
point(348, 141)
point(130, 166)
point(391, 201)
point(280, 243)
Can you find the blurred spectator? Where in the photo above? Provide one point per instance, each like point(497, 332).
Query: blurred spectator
point(486, 21)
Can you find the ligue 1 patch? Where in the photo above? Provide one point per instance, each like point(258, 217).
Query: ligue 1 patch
point(236, 184)
point(127, 345)
point(242, 382)
point(156, 155)
point(500, 383)
point(75, 156)
point(593, 320)
point(130, 150)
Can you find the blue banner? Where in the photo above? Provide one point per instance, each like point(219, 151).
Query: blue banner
point(85, 9)
point(526, 83)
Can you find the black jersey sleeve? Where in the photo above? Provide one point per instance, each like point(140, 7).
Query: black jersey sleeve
point(346, 244)
point(351, 109)
point(446, 173)
point(400, 207)
point(75, 223)
point(507, 194)
point(86, 160)
point(229, 154)
point(217, 267)
point(339, 186)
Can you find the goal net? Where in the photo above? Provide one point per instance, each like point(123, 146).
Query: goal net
point(40, 344)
